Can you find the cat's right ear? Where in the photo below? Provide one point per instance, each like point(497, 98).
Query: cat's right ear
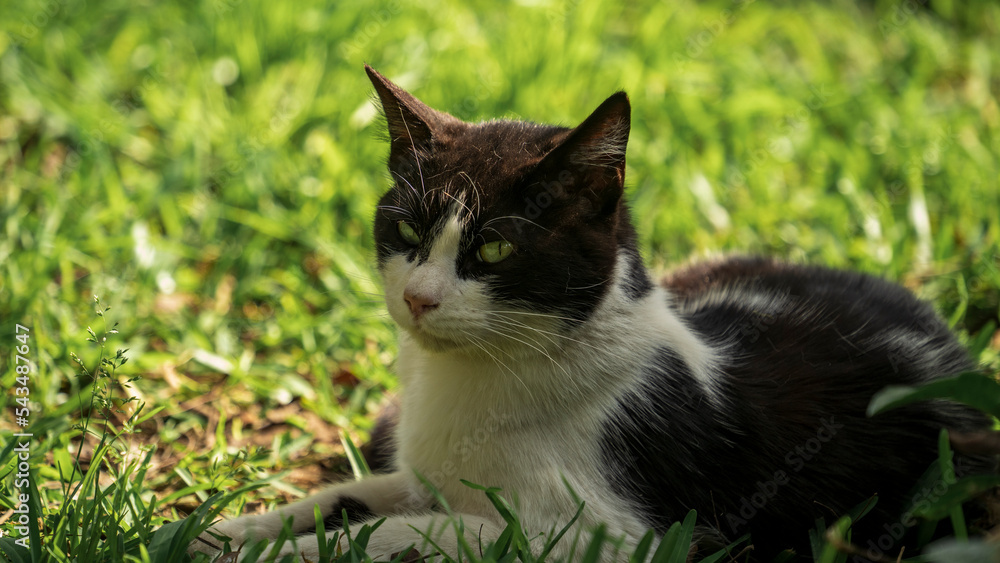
point(588, 165)
point(413, 126)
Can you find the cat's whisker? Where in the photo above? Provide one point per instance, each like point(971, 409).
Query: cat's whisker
point(472, 185)
point(363, 296)
point(381, 312)
point(402, 211)
point(366, 310)
point(494, 230)
point(517, 217)
point(535, 346)
point(602, 350)
point(591, 286)
point(485, 342)
point(379, 294)
point(537, 314)
point(569, 380)
point(354, 291)
point(416, 154)
point(430, 195)
point(481, 344)
point(415, 198)
point(349, 316)
point(362, 277)
point(413, 194)
point(369, 317)
point(462, 203)
point(511, 333)
point(517, 324)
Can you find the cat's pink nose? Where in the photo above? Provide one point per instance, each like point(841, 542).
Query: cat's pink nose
point(419, 304)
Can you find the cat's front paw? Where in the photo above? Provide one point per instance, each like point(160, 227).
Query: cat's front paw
point(235, 532)
point(305, 549)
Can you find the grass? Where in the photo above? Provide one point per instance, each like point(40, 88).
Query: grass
point(210, 170)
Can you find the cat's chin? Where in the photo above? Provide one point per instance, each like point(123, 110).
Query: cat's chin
point(433, 343)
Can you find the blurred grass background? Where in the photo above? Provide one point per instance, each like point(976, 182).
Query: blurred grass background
point(210, 170)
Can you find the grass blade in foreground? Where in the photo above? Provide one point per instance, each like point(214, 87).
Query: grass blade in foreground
point(971, 388)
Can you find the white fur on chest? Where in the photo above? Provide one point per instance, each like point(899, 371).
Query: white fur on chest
point(467, 417)
point(467, 420)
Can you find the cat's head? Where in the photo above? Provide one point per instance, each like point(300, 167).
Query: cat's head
point(502, 233)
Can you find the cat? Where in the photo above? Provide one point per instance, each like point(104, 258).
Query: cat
point(538, 355)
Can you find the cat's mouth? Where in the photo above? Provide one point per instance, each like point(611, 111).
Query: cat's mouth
point(435, 334)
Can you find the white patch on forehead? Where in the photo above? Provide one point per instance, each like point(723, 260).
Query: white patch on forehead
point(445, 246)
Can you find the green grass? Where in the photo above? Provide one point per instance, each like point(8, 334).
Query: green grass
point(210, 170)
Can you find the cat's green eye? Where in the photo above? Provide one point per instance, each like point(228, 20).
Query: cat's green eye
point(493, 252)
point(407, 232)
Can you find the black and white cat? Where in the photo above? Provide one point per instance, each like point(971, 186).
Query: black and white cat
point(537, 352)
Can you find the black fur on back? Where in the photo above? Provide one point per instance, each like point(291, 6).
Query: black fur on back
point(807, 347)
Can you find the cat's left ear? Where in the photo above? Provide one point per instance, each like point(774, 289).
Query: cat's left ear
point(590, 161)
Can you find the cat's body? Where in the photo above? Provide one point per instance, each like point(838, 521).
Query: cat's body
point(537, 355)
